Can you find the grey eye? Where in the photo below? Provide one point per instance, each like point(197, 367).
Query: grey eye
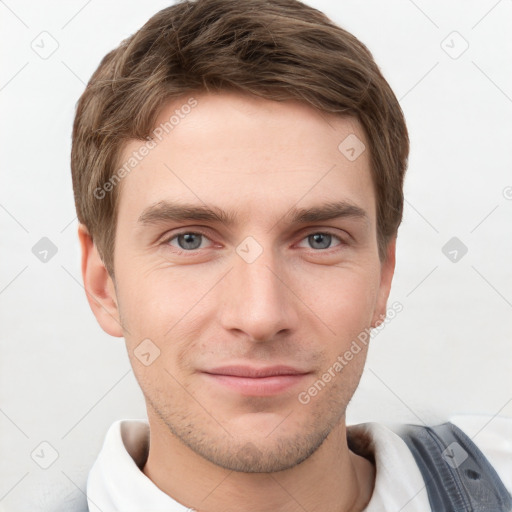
point(189, 241)
point(320, 240)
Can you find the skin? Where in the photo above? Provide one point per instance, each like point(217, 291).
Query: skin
point(300, 303)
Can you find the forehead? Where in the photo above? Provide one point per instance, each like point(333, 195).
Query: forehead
point(249, 155)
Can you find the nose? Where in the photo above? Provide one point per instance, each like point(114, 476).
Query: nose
point(258, 300)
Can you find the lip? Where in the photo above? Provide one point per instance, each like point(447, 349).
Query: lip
point(255, 372)
point(253, 381)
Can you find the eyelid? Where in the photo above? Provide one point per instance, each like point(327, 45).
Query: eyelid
point(165, 239)
point(325, 232)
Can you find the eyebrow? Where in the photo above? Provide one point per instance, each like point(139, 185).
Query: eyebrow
point(165, 211)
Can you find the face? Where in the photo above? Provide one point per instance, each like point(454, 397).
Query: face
point(280, 279)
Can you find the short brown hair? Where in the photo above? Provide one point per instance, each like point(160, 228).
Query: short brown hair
point(275, 49)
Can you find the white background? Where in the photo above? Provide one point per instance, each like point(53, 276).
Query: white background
point(64, 381)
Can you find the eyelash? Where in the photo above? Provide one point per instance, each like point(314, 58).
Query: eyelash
point(167, 241)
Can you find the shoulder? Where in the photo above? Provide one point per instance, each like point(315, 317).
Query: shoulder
point(493, 436)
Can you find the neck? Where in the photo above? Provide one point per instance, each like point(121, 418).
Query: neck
point(332, 479)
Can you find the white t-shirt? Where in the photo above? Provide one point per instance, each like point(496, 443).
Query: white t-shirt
point(117, 484)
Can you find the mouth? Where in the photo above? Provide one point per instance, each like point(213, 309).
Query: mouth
point(252, 381)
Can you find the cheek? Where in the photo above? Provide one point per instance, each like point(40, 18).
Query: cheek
point(347, 308)
point(152, 302)
point(169, 311)
point(343, 297)
point(171, 306)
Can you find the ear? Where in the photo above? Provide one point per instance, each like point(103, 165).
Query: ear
point(386, 276)
point(99, 286)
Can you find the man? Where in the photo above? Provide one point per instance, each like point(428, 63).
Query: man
point(238, 171)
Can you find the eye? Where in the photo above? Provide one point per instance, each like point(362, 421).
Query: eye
point(322, 240)
point(187, 241)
